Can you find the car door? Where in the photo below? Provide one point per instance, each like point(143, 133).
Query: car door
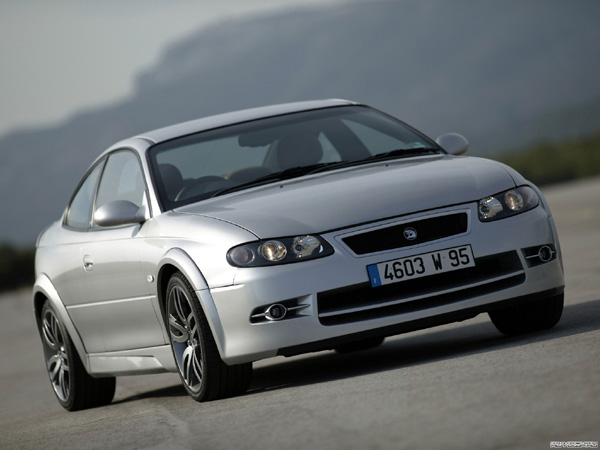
point(118, 313)
point(66, 270)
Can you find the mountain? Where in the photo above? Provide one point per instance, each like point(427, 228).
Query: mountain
point(483, 68)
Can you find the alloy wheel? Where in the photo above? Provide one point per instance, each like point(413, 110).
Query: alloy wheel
point(55, 352)
point(185, 338)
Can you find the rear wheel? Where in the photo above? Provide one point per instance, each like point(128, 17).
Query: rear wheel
point(72, 385)
point(529, 317)
point(203, 374)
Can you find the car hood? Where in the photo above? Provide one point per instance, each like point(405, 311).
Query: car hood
point(337, 199)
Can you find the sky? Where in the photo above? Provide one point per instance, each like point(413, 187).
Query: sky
point(62, 57)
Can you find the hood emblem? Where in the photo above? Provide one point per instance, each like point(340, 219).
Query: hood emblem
point(410, 234)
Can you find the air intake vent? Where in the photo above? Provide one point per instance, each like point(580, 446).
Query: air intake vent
point(363, 302)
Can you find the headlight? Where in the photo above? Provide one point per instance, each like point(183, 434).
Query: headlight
point(278, 251)
point(508, 203)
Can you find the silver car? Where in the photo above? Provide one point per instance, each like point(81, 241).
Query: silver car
point(202, 247)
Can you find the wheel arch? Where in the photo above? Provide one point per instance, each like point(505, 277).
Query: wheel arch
point(44, 291)
point(177, 260)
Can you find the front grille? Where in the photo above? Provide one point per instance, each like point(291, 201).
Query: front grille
point(393, 237)
point(363, 302)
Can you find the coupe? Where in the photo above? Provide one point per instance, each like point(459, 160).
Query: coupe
point(321, 225)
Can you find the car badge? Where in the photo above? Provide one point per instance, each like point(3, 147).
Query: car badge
point(410, 234)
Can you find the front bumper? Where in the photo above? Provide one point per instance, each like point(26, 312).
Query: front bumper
point(337, 303)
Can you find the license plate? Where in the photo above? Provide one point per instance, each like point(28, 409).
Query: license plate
point(422, 265)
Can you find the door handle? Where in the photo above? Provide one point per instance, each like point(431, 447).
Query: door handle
point(88, 263)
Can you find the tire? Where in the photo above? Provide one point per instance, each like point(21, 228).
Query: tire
point(74, 388)
point(365, 344)
point(529, 317)
point(203, 373)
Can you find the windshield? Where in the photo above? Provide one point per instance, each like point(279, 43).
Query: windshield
point(214, 162)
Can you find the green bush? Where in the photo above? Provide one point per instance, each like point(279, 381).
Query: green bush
point(546, 163)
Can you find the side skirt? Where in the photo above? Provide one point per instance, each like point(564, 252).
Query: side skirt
point(132, 362)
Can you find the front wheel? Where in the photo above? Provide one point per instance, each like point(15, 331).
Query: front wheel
point(74, 388)
point(203, 373)
point(529, 317)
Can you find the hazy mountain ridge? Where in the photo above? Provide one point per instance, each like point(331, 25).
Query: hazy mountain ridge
point(489, 70)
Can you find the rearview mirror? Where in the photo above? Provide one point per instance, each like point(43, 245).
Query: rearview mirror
point(453, 143)
point(119, 212)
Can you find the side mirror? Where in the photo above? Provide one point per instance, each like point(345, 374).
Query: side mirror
point(119, 212)
point(453, 143)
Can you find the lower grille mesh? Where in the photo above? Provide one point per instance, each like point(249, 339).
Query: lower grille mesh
point(363, 302)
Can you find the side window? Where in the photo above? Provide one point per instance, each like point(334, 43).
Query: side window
point(122, 179)
point(80, 209)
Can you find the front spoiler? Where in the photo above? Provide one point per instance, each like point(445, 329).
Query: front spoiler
point(415, 325)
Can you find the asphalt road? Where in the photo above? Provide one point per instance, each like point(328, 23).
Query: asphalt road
point(461, 386)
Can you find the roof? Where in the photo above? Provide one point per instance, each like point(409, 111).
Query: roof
point(211, 122)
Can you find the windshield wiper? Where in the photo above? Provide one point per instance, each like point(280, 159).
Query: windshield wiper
point(377, 157)
point(286, 174)
point(294, 172)
point(402, 152)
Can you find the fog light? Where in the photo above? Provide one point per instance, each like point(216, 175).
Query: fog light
point(545, 253)
point(275, 312)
